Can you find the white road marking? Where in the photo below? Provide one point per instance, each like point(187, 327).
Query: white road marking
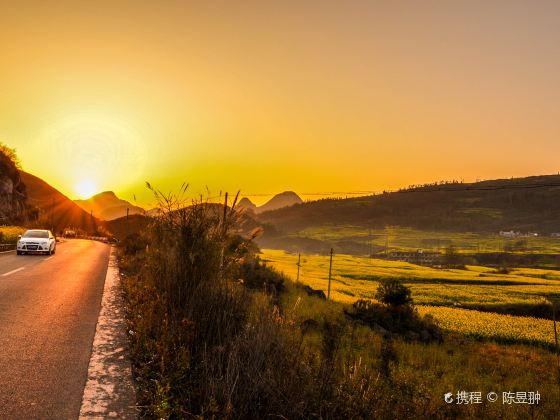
point(46, 259)
point(12, 272)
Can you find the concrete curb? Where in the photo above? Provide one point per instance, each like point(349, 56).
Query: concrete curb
point(109, 390)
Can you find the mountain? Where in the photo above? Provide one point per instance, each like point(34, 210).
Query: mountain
point(284, 199)
point(520, 204)
point(107, 206)
point(55, 210)
point(14, 207)
point(246, 204)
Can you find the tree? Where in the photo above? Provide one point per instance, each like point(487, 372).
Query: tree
point(451, 257)
point(393, 292)
point(10, 154)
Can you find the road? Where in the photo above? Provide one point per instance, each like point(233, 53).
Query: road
point(48, 311)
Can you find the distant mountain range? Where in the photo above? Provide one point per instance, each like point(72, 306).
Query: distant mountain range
point(284, 199)
point(520, 204)
point(530, 204)
point(107, 206)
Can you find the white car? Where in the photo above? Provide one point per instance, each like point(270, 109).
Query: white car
point(36, 240)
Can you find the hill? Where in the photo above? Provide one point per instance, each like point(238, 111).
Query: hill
point(122, 226)
point(107, 206)
point(55, 210)
point(247, 205)
point(520, 204)
point(284, 199)
point(14, 206)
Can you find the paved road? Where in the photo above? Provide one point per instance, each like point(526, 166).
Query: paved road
point(48, 312)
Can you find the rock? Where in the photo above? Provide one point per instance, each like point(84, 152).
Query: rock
point(313, 292)
point(13, 197)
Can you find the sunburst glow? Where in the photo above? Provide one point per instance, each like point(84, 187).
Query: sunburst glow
point(86, 188)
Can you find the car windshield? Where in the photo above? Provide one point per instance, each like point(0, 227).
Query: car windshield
point(36, 234)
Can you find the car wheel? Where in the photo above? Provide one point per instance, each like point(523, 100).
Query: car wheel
point(19, 252)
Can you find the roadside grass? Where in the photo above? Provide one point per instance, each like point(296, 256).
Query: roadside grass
point(9, 234)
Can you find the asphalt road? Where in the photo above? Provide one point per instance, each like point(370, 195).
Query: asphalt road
point(48, 312)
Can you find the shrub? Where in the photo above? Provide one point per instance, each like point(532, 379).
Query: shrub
point(393, 292)
point(395, 313)
point(257, 275)
point(403, 320)
point(133, 243)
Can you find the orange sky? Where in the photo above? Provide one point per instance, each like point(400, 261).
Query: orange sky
point(308, 96)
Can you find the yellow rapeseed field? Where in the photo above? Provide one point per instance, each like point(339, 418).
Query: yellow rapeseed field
point(439, 292)
point(504, 328)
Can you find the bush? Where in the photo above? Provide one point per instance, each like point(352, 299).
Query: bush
point(257, 275)
point(393, 292)
point(133, 243)
point(9, 234)
point(402, 320)
point(395, 314)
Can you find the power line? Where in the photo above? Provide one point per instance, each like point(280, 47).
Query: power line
point(443, 187)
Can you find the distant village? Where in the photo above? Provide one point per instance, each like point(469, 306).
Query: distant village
point(435, 258)
point(513, 234)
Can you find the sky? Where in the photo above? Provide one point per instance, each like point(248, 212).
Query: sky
point(262, 96)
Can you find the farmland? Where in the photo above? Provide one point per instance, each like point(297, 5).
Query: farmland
point(403, 238)
point(449, 295)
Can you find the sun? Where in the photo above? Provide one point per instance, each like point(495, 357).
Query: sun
point(86, 188)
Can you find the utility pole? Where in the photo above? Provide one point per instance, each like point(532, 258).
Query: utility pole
point(298, 265)
point(370, 243)
point(330, 275)
point(386, 244)
point(52, 214)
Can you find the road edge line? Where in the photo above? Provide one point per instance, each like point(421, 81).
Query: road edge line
point(109, 389)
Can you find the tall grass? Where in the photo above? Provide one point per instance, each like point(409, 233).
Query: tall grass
point(207, 342)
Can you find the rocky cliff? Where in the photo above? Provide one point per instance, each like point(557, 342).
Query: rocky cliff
point(13, 194)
